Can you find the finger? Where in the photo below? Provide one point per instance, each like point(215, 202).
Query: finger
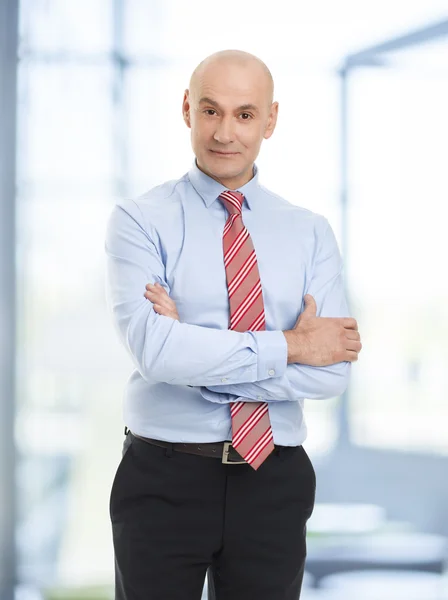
point(156, 287)
point(158, 291)
point(352, 334)
point(351, 356)
point(350, 323)
point(353, 345)
point(163, 300)
point(162, 310)
point(166, 305)
point(166, 313)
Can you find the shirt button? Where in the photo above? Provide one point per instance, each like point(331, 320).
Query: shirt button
point(271, 372)
point(259, 397)
point(224, 379)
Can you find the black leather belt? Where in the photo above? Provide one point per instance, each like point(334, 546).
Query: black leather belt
point(223, 450)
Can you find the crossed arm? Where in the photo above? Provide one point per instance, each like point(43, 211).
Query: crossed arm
point(253, 364)
point(298, 381)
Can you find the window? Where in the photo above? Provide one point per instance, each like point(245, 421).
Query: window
point(398, 127)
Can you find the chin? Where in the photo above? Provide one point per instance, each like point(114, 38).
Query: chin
point(230, 167)
point(221, 169)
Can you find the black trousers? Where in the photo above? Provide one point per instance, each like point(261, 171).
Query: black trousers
point(176, 517)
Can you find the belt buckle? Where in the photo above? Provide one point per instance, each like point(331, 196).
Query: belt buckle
point(225, 456)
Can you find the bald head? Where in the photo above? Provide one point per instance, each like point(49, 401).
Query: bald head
point(230, 110)
point(228, 59)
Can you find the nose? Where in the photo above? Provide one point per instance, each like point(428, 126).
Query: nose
point(224, 133)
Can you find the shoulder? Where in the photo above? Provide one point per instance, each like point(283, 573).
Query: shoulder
point(168, 191)
point(160, 202)
point(273, 201)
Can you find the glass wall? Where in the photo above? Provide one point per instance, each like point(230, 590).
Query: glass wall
point(397, 247)
point(70, 366)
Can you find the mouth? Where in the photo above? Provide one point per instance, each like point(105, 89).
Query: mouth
point(221, 153)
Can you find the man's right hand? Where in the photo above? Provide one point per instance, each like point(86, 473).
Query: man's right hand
point(322, 341)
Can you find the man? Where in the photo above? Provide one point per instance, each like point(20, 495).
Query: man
point(214, 475)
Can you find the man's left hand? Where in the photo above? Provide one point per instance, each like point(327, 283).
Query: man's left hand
point(163, 304)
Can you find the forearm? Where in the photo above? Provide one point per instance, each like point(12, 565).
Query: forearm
point(163, 349)
point(299, 381)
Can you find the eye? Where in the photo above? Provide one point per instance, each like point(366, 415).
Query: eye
point(246, 116)
point(209, 111)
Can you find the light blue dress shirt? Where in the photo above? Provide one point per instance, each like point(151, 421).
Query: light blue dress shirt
point(188, 371)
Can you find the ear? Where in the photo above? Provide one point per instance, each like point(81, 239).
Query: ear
point(186, 108)
point(272, 121)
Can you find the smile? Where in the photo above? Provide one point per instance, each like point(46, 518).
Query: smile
point(224, 153)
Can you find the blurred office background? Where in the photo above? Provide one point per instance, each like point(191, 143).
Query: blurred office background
point(90, 99)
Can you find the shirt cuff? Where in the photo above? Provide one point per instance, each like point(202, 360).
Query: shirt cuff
point(272, 349)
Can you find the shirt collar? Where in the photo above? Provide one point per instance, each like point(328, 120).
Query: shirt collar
point(209, 189)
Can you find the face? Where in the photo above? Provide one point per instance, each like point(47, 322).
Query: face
point(229, 111)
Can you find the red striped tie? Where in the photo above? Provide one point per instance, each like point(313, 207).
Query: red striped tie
point(251, 428)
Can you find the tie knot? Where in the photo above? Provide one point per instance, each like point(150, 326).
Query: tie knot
point(233, 201)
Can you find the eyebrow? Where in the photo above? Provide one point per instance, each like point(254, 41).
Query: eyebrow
point(242, 107)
